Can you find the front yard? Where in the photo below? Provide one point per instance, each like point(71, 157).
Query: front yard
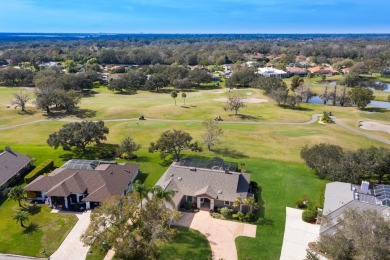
point(44, 230)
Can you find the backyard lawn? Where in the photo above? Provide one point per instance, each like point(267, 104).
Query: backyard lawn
point(45, 230)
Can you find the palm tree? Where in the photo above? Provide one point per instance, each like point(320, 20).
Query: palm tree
point(21, 216)
point(251, 202)
point(174, 95)
point(16, 193)
point(141, 189)
point(184, 95)
point(237, 203)
point(165, 195)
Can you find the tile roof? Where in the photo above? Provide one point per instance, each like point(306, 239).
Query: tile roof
point(10, 164)
point(98, 184)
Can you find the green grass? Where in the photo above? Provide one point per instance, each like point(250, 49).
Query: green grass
point(189, 244)
point(281, 184)
point(47, 232)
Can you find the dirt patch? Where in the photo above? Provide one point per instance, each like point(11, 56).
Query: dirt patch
point(249, 100)
point(374, 126)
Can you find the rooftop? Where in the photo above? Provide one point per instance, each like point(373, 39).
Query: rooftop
point(10, 164)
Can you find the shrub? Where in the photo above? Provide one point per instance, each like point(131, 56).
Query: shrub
point(226, 212)
point(41, 169)
point(188, 205)
point(326, 118)
point(249, 217)
point(239, 215)
point(309, 215)
point(301, 203)
point(216, 215)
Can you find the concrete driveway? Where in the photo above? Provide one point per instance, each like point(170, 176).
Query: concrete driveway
point(221, 234)
point(297, 235)
point(72, 247)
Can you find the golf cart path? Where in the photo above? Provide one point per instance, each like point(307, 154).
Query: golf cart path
point(311, 121)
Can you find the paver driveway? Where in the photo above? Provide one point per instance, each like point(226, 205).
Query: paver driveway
point(72, 247)
point(220, 233)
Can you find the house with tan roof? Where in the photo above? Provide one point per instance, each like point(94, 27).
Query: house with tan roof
point(83, 182)
point(207, 184)
point(321, 70)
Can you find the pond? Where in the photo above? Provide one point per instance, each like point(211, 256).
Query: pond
point(381, 104)
point(386, 86)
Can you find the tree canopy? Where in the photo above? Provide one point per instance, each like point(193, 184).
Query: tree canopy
point(135, 233)
point(172, 142)
point(78, 134)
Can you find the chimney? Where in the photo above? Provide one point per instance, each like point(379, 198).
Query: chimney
point(364, 187)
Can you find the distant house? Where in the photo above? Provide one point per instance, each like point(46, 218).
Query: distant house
point(340, 196)
point(272, 72)
point(345, 70)
point(12, 166)
point(206, 184)
point(83, 181)
point(296, 71)
point(50, 64)
point(322, 70)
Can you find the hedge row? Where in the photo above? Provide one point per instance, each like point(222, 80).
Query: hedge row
point(39, 170)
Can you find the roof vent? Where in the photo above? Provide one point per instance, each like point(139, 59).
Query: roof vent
point(179, 178)
point(193, 169)
point(171, 174)
point(219, 192)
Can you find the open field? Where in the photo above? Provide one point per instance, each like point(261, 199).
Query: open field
point(46, 232)
point(270, 151)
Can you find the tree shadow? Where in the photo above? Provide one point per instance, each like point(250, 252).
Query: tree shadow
point(28, 112)
point(142, 176)
point(31, 228)
point(230, 153)
point(79, 113)
point(33, 209)
point(261, 211)
point(297, 108)
point(246, 117)
point(101, 151)
point(185, 107)
point(166, 162)
point(141, 159)
point(375, 109)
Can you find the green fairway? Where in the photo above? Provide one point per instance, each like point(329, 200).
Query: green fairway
point(47, 230)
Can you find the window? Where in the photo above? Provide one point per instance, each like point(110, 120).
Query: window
point(189, 198)
point(227, 203)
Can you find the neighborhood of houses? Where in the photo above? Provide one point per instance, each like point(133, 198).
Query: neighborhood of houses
point(203, 184)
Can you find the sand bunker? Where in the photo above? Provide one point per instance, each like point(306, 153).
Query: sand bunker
point(249, 93)
point(374, 126)
point(249, 100)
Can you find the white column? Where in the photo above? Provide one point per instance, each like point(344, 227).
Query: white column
point(198, 202)
point(211, 204)
point(240, 207)
point(78, 198)
point(87, 205)
point(66, 202)
point(50, 203)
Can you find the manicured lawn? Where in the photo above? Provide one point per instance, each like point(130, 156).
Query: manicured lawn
point(281, 185)
point(47, 230)
point(189, 244)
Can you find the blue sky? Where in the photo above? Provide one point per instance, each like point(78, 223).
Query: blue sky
point(195, 16)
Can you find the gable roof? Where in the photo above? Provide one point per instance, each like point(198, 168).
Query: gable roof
point(10, 164)
point(99, 185)
point(215, 184)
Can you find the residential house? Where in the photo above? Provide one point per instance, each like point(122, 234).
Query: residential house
point(272, 72)
point(323, 70)
point(296, 71)
point(340, 196)
point(206, 184)
point(12, 166)
point(83, 181)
